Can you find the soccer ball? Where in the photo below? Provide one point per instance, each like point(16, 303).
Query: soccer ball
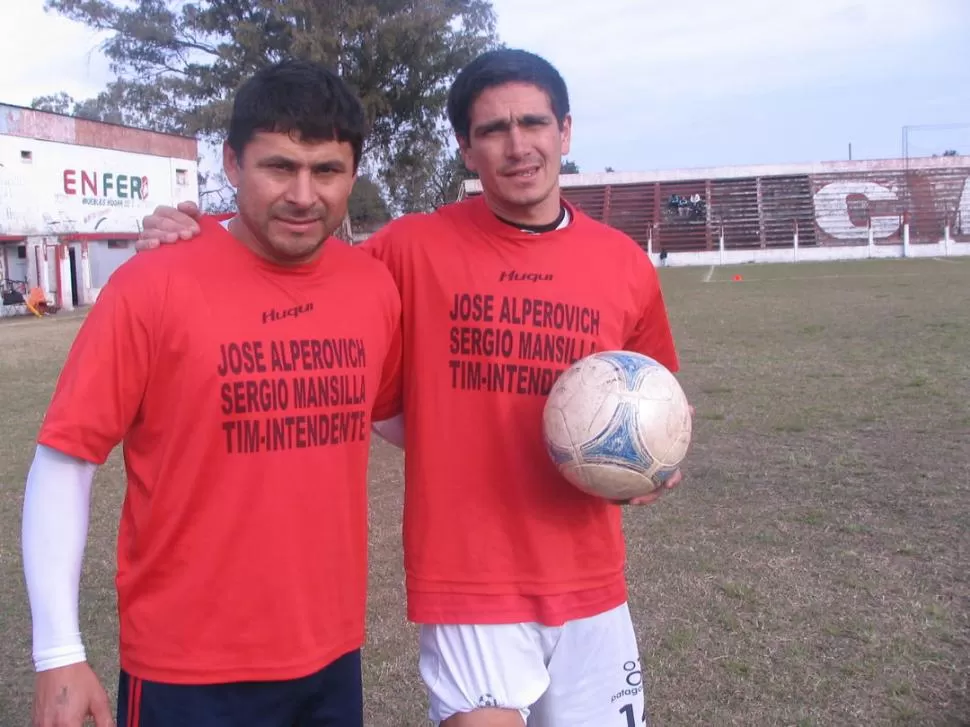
point(617, 424)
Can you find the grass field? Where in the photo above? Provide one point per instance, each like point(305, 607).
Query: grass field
point(814, 569)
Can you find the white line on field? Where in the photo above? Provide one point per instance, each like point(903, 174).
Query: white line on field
point(947, 260)
point(710, 274)
point(824, 277)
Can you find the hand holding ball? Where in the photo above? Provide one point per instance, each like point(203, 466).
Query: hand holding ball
point(617, 424)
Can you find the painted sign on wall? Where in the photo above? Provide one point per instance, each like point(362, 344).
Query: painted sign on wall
point(845, 209)
point(54, 188)
point(105, 188)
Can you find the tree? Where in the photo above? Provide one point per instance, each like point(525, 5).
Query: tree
point(569, 167)
point(428, 175)
point(950, 153)
point(58, 103)
point(100, 108)
point(178, 64)
point(367, 206)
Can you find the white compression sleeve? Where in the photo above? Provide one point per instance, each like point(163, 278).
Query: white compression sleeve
point(57, 505)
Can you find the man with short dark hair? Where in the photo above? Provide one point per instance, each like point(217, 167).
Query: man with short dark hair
point(516, 578)
point(243, 388)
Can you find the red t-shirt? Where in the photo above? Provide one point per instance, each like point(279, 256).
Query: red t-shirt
point(492, 532)
point(243, 393)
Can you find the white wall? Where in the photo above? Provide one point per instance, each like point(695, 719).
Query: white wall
point(868, 250)
point(64, 188)
point(104, 260)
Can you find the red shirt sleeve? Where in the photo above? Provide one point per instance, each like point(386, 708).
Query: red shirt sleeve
point(389, 397)
point(651, 334)
point(102, 383)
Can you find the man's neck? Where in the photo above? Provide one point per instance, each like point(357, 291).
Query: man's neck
point(244, 236)
point(238, 229)
point(547, 215)
point(537, 229)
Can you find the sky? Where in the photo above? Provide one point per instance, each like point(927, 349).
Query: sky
point(657, 84)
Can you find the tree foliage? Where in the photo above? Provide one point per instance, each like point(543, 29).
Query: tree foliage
point(178, 63)
point(569, 167)
point(367, 206)
point(94, 109)
point(426, 176)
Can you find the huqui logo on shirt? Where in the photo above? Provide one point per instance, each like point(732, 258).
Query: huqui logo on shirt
point(279, 314)
point(513, 276)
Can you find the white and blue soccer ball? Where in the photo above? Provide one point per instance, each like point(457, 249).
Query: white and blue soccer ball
point(617, 424)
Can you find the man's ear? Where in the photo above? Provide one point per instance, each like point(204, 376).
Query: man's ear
point(466, 155)
point(566, 133)
point(231, 164)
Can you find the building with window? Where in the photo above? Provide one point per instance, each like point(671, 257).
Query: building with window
point(73, 193)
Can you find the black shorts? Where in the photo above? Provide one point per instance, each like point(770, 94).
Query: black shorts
point(332, 697)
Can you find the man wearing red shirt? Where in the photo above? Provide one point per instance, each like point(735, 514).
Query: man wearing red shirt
point(243, 389)
point(516, 578)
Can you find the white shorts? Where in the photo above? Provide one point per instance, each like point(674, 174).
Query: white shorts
point(585, 673)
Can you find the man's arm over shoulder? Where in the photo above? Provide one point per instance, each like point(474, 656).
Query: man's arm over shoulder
point(651, 334)
point(102, 383)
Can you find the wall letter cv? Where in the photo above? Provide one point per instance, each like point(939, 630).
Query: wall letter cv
point(832, 210)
